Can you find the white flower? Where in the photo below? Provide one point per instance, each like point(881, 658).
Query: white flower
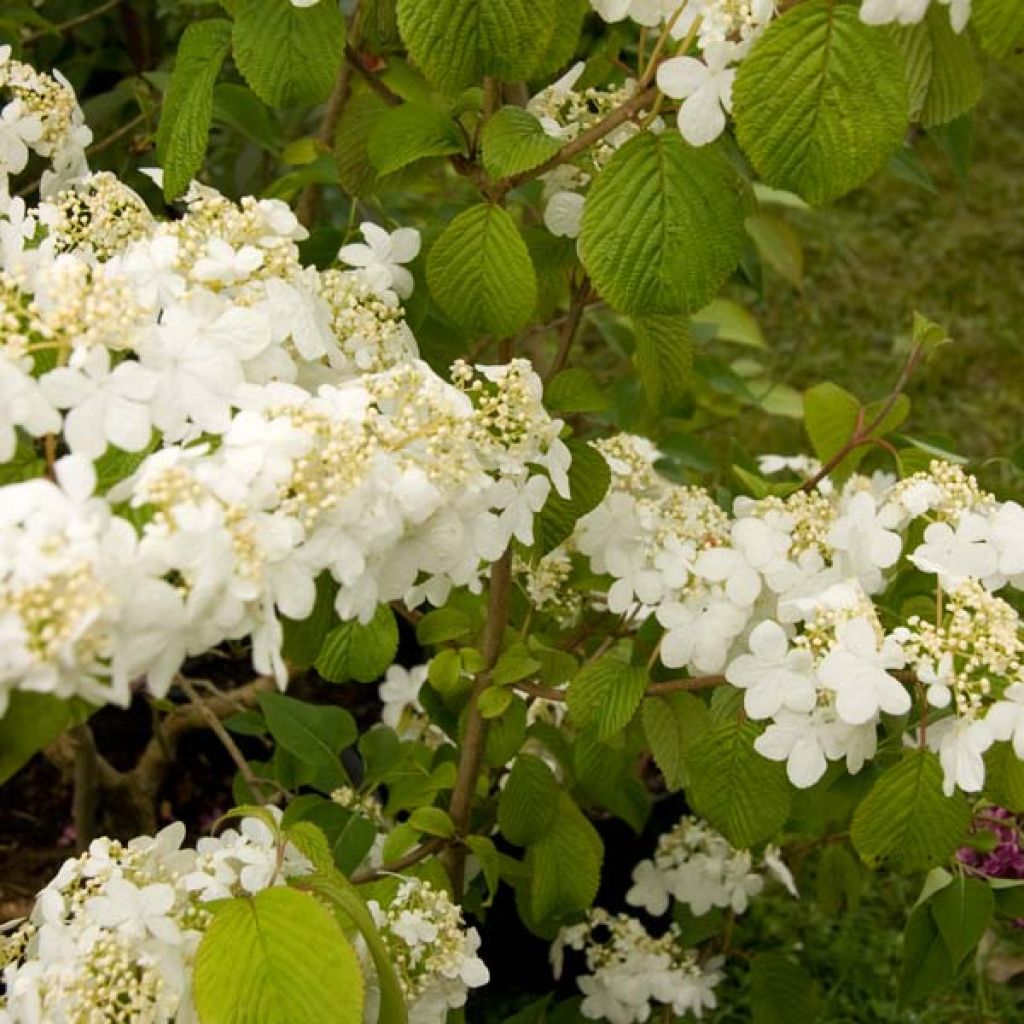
point(772, 675)
point(866, 545)
point(400, 692)
point(706, 89)
point(1005, 719)
point(22, 404)
point(106, 407)
point(958, 554)
point(563, 215)
point(699, 632)
point(729, 565)
point(856, 670)
point(381, 257)
point(648, 889)
point(800, 741)
point(1006, 532)
point(961, 743)
point(136, 911)
point(909, 12)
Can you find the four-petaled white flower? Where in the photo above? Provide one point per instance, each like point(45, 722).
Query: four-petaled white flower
point(961, 744)
point(136, 911)
point(705, 87)
point(382, 255)
point(857, 670)
point(956, 554)
point(773, 675)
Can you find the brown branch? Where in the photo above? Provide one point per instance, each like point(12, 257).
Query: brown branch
point(392, 99)
point(476, 725)
point(422, 852)
point(582, 142)
point(577, 307)
point(654, 690)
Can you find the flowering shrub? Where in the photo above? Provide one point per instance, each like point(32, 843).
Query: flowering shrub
point(238, 441)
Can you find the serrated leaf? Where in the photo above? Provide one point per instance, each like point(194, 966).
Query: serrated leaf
point(1004, 777)
point(820, 102)
point(907, 819)
point(564, 39)
point(528, 804)
point(314, 733)
point(999, 24)
point(402, 135)
point(458, 42)
point(480, 274)
point(187, 110)
point(565, 865)
point(254, 965)
point(743, 795)
point(290, 56)
point(781, 991)
point(672, 723)
point(606, 776)
point(589, 477)
point(604, 695)
point(944, 75)
point(354, 650)
point(962, 911)
point(575, 390)
point(515, 141)
point(664, 358)
point(663, 226)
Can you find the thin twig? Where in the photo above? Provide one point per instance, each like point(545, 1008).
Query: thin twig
point(71, 23)
point(392, 99)
point(476, 725)
point(214, 722)
point(654, 690)
point(422, 852)
point(862, 432)
point(577, 307)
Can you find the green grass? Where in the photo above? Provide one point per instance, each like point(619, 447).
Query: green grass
point(956, 255)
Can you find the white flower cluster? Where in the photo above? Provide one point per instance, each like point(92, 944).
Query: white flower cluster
point(565, 112)
point(114, 935)
point(631, 971)
point(434, 954)
point(259, 423)
point(695, 865)
point(779, 598)
point(41, 117)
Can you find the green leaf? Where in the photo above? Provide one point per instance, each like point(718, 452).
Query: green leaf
point(778, 245)
point(490, 863)
point(457, 42)
point(188, 105)
point(962, 911)
point(663, 226)
point(515, 141)
point(999, 25)
point(831, 417)
point(480, 274)
point(945, 78)
point(838, 880)
point(565, 865)
point(433, 821)
point(907, 819)
point(290, 56)
point(926, 963)
point(402, 135)
point(745, 796)
point(781, 991)
point(495, 701)
point(514, 664)
point(575, 390)
point(31, 722)
point(589, 477)
point(564, 39)
point(731, 322)
point(664, 358)
point(240, 108)
point(605, 774)
point(360, 652)
point(820, 102)
point(672, 724)
point(254, 965)
point(528, 804)
point(303, 639)
point(605, 694)
point(314, 733)
point(1004, 777)
point(24, 464)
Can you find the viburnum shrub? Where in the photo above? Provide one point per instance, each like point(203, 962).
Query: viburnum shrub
point(241, 440)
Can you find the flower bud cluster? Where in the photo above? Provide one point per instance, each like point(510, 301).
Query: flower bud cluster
point(433, 952)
